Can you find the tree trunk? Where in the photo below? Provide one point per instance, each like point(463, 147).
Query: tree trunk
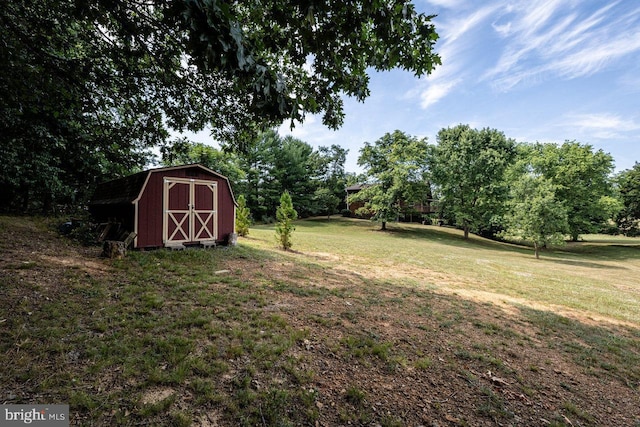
point(537, 249)
point(114, 249)
point(47, 204)
point(466, 232)
point(24, 191)
point(384, 226)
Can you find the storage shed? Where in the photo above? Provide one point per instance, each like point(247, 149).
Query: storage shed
point(170, 206)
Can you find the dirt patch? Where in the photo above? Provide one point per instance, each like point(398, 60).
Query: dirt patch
point(156, 395)
point(454, 357)
point(89, 266)
point(375, 348)
point(209, 419)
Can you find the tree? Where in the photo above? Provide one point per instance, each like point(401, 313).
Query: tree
point(272, 165)
point(243, 217)
point(353, 178)
point(534, 214)
point(327, 201)
point(259, 187)
point(330, 177)
point(612, 207)
point(90, 87)
point(467, 167)
point(582, 179)
point(395, 164)
point(226, 163)
point(285, 215)
point(286, 59)
point(292, 171)
point(57, 142)
point(75, 106)
point(629, 187)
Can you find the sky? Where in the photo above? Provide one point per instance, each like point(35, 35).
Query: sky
point(537, 70)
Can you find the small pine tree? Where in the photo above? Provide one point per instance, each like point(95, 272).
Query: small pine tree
point(285, 215)
point(243, 217)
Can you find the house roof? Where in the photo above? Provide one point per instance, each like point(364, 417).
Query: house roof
point(357, 187)
point(129, 188)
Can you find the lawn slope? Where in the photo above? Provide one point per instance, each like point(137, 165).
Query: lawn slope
point(596, 278)
point(410, 327)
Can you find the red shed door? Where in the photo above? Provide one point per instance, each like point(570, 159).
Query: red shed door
point(190, 211)
point(204, 210)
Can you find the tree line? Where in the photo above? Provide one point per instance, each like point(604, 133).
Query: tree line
point(489, 184)
point(271, 165)
point(90, 89)
point(478, 180)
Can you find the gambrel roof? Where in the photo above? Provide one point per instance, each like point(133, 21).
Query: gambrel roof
point(129, 188)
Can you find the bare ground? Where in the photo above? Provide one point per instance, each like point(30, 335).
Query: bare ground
point(375, 352)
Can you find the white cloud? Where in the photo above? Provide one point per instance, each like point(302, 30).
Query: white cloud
point(537, 14)
point(457, 37)
point(447, 4)
point(579, 32)
point(600, 126)
point(436, 91)
point(458, 26)
point(602, 121)
point(595, 57)
point(555, 38)
point(502, 29)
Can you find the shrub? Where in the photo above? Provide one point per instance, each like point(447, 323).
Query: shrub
point(285, 215)
point(243, 217)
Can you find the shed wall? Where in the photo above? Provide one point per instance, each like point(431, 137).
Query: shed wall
point(150, 207)
point(226, 211)
point(149, 212)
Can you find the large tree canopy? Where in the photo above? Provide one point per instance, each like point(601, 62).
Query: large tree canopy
point(97, 82)
point(534, 214)
point(297, 57)
point(629, 186)
point(582, 180)
point(468, 168)
point(396, 167)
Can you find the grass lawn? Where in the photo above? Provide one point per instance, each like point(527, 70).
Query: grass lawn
point(598, 277)
point(413, 326)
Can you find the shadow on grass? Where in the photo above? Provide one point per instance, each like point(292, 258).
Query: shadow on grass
point(589, 253)
point(453, 237)
point(584, 264)
point(337, 221)
point(601, 252)
point(166, 321)
point(602, 351)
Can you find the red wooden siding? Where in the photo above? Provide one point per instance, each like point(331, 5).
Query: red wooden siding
point(226, 211)
point(144, 210)
point(150, 205)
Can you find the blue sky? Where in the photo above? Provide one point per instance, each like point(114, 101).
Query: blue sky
point(548, 71)
point(537, 70)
